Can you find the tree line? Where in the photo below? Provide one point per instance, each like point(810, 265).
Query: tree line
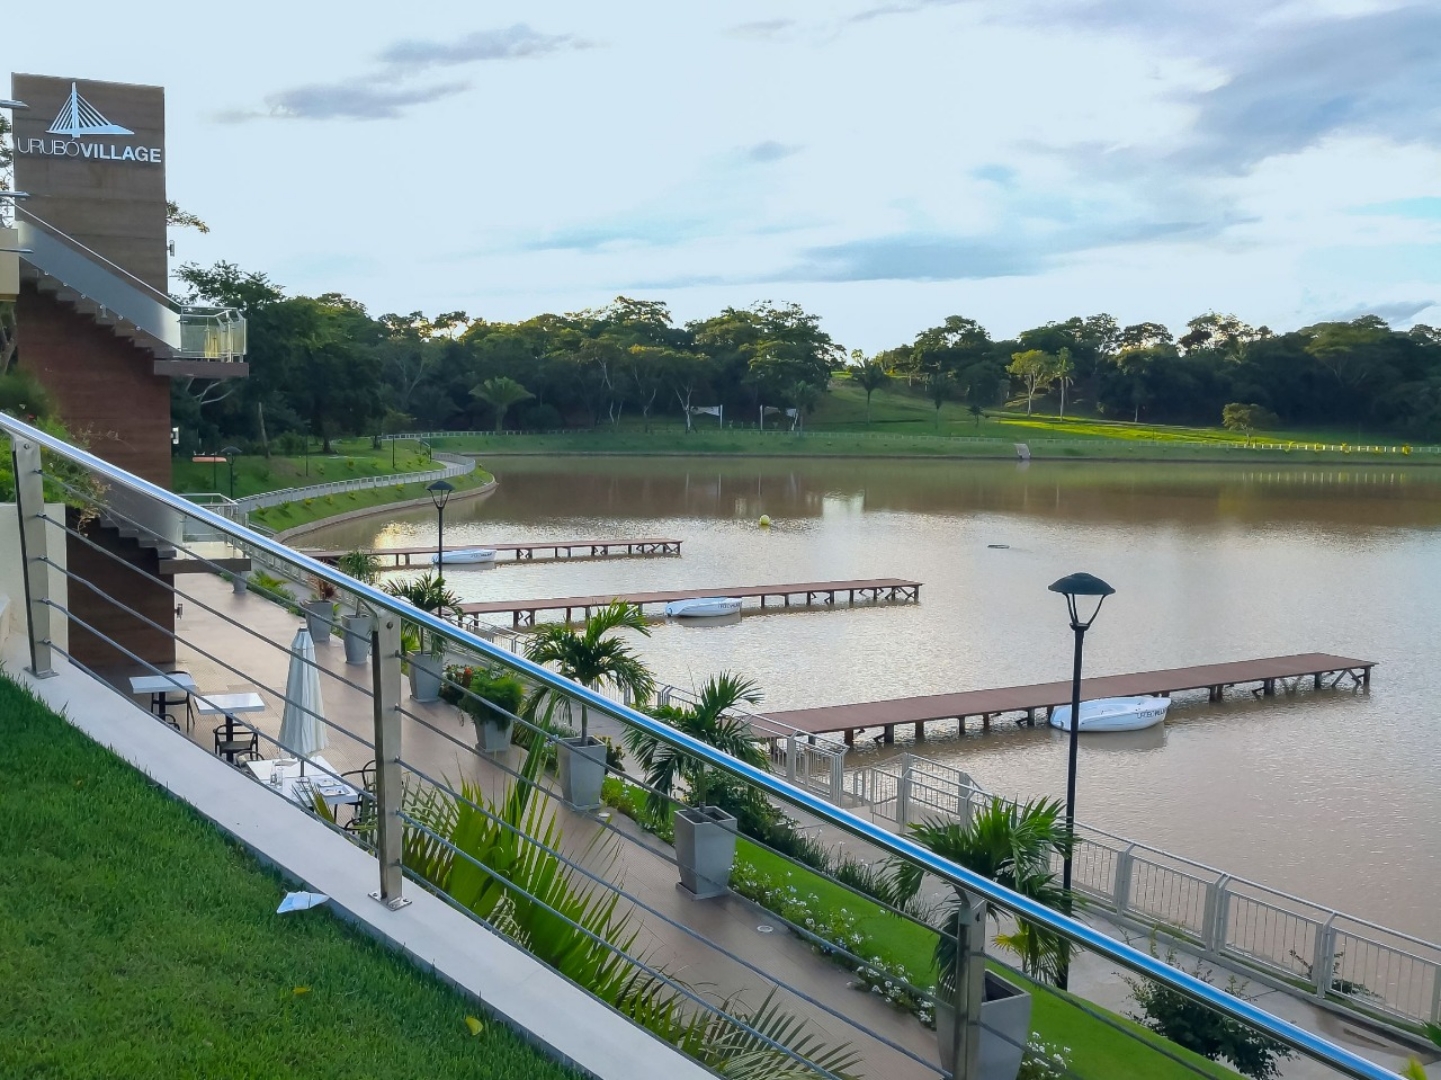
point(324, 366)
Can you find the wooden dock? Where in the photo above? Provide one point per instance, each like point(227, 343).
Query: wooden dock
point(1028, 700)
point(524, 552)
point(800, 594)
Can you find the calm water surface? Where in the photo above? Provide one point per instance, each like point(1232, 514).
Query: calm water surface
point(1333, 795)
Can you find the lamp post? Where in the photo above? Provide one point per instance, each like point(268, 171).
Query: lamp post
point(1076, 587)
point(230, 452)
point(440, 495)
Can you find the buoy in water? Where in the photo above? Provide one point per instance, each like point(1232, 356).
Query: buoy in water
point(1003, 547)
point(765, 521)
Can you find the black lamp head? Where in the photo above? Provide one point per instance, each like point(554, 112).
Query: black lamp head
point(440, 493)
point(1074, 585)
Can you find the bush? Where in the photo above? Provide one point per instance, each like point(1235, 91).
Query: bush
point(290, 443)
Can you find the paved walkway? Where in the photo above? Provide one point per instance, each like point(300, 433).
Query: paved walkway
point(641, 864)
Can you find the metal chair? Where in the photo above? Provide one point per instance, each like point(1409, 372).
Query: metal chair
point(236, 744)
point(166, 701)
point(362, 820)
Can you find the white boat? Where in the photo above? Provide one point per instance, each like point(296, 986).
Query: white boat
point(457, 556)
point(703, 607)
point(1114, 714)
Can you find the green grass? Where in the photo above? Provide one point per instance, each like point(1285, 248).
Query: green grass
point(289, 515)
point(254, 473)
point(138, 942)
point(1098, 1051)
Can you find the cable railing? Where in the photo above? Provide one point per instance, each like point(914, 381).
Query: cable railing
point(1342, 960)
point(511, 835)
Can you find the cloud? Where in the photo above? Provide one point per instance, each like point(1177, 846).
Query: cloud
point(1424, 208)
point(763, 29)
point(354, 100)
point(1397, 311)
point(516, 42)
point(770, 150)
point(384, 94)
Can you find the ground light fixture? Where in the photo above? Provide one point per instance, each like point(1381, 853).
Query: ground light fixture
point(440, 495)
point(1084, 593)
point(229, 453)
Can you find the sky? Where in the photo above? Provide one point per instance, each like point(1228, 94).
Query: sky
point(884, 163)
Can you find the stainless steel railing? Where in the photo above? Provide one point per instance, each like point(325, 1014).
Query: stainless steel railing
point(392, 766)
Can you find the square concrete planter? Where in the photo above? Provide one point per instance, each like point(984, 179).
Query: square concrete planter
point(425, 673)
point(705, 850)
point(492, 736)
point(581, 764)
point(358, 629)
point(1005, 1029)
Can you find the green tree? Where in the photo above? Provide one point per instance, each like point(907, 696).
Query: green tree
point(870, 376)
point(1246, 418)
point(1013, 845)
point(707, 721)
point(1064, 372)
point(500, 394)
point(939, 388)
point(593, 656)
point(1035, 369)
point(976, 414)
point(804, 397)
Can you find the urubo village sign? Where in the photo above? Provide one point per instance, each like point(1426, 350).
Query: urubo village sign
point(85, 126)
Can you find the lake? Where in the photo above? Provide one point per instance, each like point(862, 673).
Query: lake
point(1335, 795)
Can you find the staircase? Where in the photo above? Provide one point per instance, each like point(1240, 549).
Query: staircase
point(204, 342)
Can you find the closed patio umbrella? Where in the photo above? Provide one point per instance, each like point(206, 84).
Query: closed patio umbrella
point(301, 731)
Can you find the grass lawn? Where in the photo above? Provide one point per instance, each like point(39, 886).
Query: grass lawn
point(1098, 1052)
point(254, 474)
point(304, 511)
point(138, 942)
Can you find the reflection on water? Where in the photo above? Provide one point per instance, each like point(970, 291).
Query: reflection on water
point(1335, 795)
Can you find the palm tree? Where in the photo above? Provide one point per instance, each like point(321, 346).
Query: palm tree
point(1013, 845)
point(592, 655)
point(428, 593)
point(500, 393)
point(1065, 373)
point(870, 376)
point(707, 721)
point(938, 388)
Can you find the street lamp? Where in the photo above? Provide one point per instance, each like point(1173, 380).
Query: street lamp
point(440, 495)
point(229, 451)
point(1076, 587)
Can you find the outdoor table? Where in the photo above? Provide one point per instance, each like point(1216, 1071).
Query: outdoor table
point(157, 686)
point(228, 705)
point(320, 776)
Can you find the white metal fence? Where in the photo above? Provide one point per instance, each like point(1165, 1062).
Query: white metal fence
point(454, 466)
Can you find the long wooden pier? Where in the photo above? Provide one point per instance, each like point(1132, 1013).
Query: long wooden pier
point(524, 552)
point(800, 594)
point(1028, 700)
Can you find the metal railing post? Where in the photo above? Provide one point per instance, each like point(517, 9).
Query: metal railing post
point(30, 508)
point(1323, 962)
point(385, 687)
point(1213, 919)
point(1122, 890)
point(903, 793)
point(791, 757)
point(969, 992)
point(838, 780)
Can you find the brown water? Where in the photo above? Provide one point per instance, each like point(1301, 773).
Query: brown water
point(1333, 795)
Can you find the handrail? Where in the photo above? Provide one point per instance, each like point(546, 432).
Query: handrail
point(1141, 963)
point(62, 234)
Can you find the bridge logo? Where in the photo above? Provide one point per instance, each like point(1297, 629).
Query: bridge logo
point(79, 118)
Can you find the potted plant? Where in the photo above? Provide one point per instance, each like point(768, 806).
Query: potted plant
point(493, 701)
point(320, 609)
point(428, 593)
point(1013, 844)
point(591, 656)
point(360, 624)
point(705, 835)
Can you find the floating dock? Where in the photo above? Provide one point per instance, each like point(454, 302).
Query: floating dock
point(1028, 700)
point(799, 594)
point(526, 552)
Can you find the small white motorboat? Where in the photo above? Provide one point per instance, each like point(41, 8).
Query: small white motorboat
point(703, 607)
point(1114, 714)
point(460, 556)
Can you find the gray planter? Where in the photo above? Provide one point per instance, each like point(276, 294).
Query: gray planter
point(358, 629)
point(492, 736)
point(705, 850)
point(425, 673)
point(581, 764)
point(237, 581)
point(1005, 1027)
point(318, 617)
